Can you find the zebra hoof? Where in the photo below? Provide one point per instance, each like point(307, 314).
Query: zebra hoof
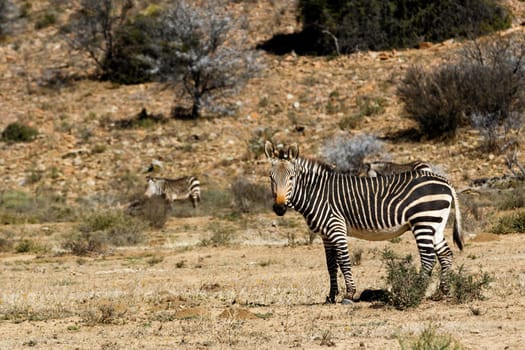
point(347, 301)
point(329, 301)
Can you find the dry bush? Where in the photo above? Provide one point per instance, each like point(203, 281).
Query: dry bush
point(249, 196)
point(348, 153)
point(484, 86)
point(103, 228)
point(154, 210)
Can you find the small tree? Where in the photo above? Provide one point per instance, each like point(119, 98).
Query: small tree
point(205, 47)
point(92, 29)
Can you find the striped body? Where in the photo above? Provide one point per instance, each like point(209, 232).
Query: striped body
point(388, 168)
point(337, 204)
point(183, 188)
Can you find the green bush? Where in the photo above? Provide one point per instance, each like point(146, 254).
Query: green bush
point(407, 285)
point(513, 223)
point(465, 287)
point(18, 132)
point(429, 339)
point(133, 58)
point(348, 26)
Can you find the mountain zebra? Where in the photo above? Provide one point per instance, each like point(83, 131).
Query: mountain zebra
point(335, 204)
point(388, 168)
point(183, 188)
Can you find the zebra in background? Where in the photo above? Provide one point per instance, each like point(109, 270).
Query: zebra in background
point(336, 203)
point(183, 188)
point(388, 168)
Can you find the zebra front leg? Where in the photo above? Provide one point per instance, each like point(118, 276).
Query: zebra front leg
point(331, 264)
point(343, 260)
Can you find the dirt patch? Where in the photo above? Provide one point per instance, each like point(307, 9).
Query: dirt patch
point(238, 314)
point(485, 237)
point(191, 313)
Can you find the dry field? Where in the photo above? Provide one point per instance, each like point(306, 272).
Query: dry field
point(266, 287)
point(265, 290)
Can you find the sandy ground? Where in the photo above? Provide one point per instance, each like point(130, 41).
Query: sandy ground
point(260, 292)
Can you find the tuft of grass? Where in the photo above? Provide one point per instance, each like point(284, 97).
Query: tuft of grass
point(17, 207)
point(429, 339)
point(221, 235)
point(29, 246)
point(407, 284)
point(513, 223)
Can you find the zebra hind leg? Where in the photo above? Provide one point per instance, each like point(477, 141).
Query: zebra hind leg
point(425, 245)
point(444, 255)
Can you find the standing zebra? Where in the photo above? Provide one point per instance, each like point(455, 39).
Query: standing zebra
point(389, 168)
point(335, 204)
point(183, 188)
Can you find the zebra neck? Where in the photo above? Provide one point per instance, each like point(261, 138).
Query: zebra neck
point(310, 184)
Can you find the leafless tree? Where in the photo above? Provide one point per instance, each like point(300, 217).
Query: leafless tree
point(204, 47)
point(93, 26)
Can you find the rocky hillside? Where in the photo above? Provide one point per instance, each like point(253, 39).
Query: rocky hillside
point(81, 153)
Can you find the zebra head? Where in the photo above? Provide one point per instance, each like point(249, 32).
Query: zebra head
point(153, 187)
point(282, 175)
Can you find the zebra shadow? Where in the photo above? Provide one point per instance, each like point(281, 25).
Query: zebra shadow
point(379, 297)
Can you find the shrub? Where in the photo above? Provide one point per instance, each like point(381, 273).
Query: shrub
point(465, 287)
point(484, 86)
point(493, 87)
point(348, 154)
point(20, 207)
point(220, 235)
point(86, 243)
point(18, 132)
point(92, 29)
point(433, 100)
point(348, 26)
point(99, 229)
point(155, 210)
point(134, 57)
point(510, 223)
point(407, 285)
point(143, 119)
point(429, 339)
point(249, 196)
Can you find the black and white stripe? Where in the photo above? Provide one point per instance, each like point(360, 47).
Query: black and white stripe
point(335, 204)
point(183, 188)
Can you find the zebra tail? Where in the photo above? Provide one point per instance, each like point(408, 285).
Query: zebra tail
point(457, 231)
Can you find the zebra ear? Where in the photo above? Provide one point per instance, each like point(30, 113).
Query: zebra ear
point(293, 151)
point(269, 150)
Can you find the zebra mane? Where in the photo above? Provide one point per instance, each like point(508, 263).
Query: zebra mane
point(312, 163)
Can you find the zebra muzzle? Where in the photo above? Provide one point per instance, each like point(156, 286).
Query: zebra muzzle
point(279, 209)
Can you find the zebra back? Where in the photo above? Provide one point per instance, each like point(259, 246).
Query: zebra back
point(389, 168)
